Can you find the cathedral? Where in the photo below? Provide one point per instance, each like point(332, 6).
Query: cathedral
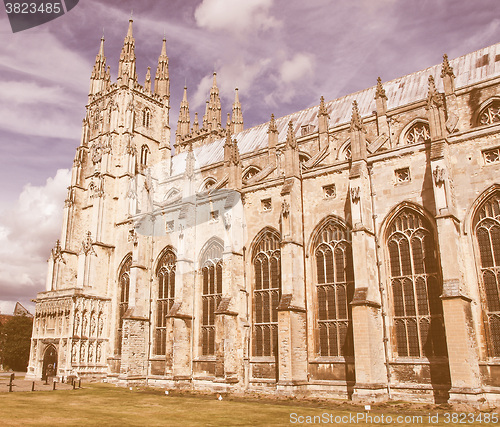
point(349, 250)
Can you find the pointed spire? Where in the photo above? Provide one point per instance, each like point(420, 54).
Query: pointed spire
point(205, 116)
point(356, 121)
point(229, 124)
point(434, 98)
point(357, 135)
point(126, 68)
point(162, 79)
point(381, 103)
point(214, 107)
point(291, 142)
point(447, 76)
point(322, 111)
point(272, 139)
point(196, 123)
point(237, 118)
point(380, 91)
point(231, 152)
point(446, 69)
point(101, 48)
point(99, 71)
point(184, 122)
point(147, 82)
point(272, 125)
point(323, 121)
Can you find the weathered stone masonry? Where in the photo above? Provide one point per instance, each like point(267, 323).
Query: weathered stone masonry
point(348, 250)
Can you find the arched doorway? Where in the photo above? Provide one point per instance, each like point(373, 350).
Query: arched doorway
point(49, 362)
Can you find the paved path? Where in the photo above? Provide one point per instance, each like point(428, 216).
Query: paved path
point(23, 385)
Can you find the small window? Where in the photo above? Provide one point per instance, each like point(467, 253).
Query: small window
point(490, 114)
point(266, 204)
point(146, 117)
point(170, 226)
point(306, 129)
point(402, 175)
point(418, 133)
point(208, 184)
point(492, 156)
point(250, 173)
point(329, 191)
point(144, 155)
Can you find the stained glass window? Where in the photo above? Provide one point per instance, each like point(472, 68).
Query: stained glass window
point(335, 290)
point(165, 274)
point(266, 294)
point(416, 287)
point(487, 228)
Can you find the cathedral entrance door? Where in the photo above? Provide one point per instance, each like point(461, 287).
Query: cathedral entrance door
point(49, 367)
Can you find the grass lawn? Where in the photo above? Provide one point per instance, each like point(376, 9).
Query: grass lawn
point(107, 405)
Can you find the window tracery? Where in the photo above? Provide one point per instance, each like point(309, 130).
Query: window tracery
point(490, 114)
point(144, 155)
point(250, 173)
point(416, 287)
point(419, 132)
point(146, 117)
point(124, 287)
point(211, 295)
point(165, 273)
point(487, 230)
point(335, 290)
point(266, 293)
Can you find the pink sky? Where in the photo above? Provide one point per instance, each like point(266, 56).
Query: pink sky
point(281, 54)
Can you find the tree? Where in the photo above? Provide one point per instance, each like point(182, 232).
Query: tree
point(15, 342)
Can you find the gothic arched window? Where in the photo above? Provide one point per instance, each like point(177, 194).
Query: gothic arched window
point(144, 155)
point(266, 293)
point(123, 293)
point(490, 114)
point(210, 295)
point(146, 117)
point(208, 184)
point(418, 132)
point(416, 287)
point(335, 290)
point(165, 273)
point(250, 173)
point(487, 229)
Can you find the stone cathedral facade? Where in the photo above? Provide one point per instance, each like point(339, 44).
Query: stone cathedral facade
point(351, 249)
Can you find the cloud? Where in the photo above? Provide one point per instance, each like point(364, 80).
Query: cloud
point(28, 231)
point(235, 16)
point(296, 68)
point(17, 92)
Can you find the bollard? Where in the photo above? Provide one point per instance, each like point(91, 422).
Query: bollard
point(79, 383)
point(33, 386)
point(10, 382)
point(74, 385)
point(54, 386)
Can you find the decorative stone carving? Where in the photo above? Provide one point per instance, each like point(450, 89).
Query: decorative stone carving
point(439, 175)
point(87, 245)
point(285, 208)
point(132, 236)
point(57, 253)
point(227, 220)
point(355, 194)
